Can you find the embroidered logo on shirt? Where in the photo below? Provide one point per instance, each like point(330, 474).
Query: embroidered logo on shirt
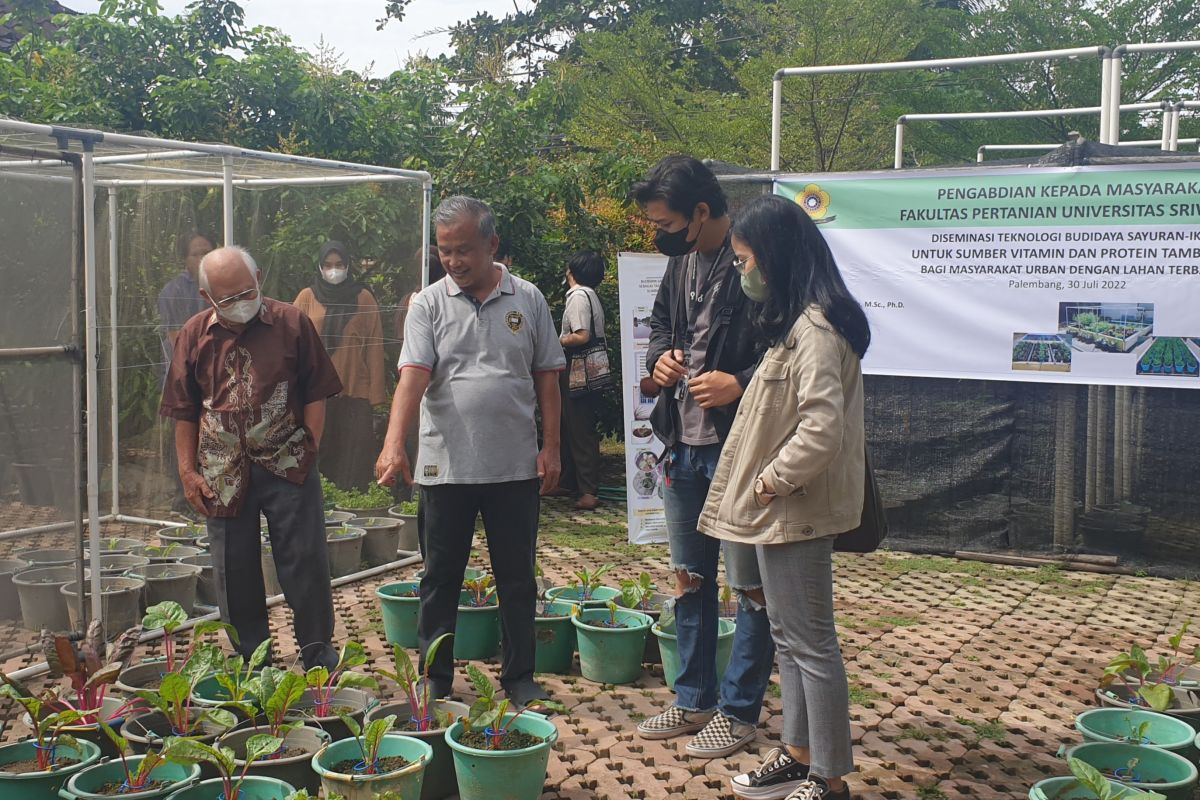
point(515, 320)
point(431, 470)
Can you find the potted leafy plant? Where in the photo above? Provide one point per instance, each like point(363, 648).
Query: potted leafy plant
point(1087, 784)
point(381, 539)
point(276, 691)
point(423, 717)
point(144, 777)
point(330, 694)
point(167, 616)
point(611, 642)
point(232, 782)
point(1140, 768)
point(181, 534)
point(640, 595)
point(586, 588)
point(406, 512)
point(344, 544)
point(1136, 726)
point(374, 502)
point(477, 628)
point(668, 644)
point(230, 685)
point(174, 712)
point(400, 602)
point(1153, 684)
point(39, 766)
point(554, 637)
point(372, 762)
point(494, 747)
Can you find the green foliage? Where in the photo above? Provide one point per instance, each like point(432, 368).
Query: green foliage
point(637, 593)
point(324, 684)
point(1091, 779)
point(181, 750)
point(370, 739)
point(374, 497)
point(481, 590)
point(591, 579)
point(136, 779)
point(488, 714)
point(47, 728)
point(417, 687)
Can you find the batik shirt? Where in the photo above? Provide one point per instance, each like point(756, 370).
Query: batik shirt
point(247, 391)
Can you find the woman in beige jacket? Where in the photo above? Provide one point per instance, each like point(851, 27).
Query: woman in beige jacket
point(790, 479)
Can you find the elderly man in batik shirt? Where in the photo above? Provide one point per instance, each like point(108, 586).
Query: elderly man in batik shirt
point(247, 387)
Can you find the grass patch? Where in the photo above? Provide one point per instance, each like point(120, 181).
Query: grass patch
point(930, 793)
point(598, 538)
point(919, 734)
point(636, 716)
point(977, 569)
point(991, 731)
point(862, 695)
point(845, 622)
point(894, 621)
point(774, 690)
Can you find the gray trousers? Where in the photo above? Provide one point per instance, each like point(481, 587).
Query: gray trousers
point(296, 522)
point(798, 584)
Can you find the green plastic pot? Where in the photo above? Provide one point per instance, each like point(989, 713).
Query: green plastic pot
point(209, 693)
point(84, 784)
point(406, 781)
point(252, 788)
point(668, 646)
point(399, 613)
point(611, 655)
point(41, 785)
point(90, 730)
point(600, 596)
point(1174, 776)
point(439, 782)
point(477, 630)
point(504, 774)
point(1114, 724)
point(292, 769)
point(1069, 789)
point(555, 639)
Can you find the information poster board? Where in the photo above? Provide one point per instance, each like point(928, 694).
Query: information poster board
point(638, 276)
point(1085, 275)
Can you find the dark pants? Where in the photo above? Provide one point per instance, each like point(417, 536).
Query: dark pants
point(296, 522)
point(348, 448)
point(510, 519)
point(581, 443)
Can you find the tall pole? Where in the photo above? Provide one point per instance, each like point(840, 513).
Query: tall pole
point(92, 353)
point(776, 120)
point(1064, 467)
point(227, 200)
point(114, 420)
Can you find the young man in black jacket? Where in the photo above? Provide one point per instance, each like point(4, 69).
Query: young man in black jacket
point(702, 355)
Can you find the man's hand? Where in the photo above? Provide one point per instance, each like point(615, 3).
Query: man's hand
point(715, 389)
point(669, 368)
point(549, 469)
point(196, 490)
point(391, 464)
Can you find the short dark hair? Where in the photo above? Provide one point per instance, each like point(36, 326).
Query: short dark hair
point(183, 242)
point(683, 183)
point(502, 249)
point(587, 267)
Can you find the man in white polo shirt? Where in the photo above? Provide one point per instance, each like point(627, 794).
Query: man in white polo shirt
point(479, 349)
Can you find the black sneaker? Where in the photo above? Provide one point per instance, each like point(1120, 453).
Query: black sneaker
point(774, 779)
point(816, 788)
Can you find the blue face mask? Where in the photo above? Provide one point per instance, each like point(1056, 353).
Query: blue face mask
point(754, 286)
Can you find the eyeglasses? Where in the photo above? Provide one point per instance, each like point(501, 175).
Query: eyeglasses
point(228, 302)
point(740, 264)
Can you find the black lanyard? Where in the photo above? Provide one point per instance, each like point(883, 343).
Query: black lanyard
point(697, 293)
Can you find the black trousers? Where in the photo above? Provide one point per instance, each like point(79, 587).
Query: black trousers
point(296, 522)
point(348, 448)
point(510, 520)
point(580, 449)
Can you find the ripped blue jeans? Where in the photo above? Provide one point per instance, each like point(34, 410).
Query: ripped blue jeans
point(740, 691)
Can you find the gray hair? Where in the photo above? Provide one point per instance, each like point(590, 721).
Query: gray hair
point(454, 210)
point(247, 259)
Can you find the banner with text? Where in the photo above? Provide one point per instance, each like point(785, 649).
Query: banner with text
point(638, 277)
point(1062, 275)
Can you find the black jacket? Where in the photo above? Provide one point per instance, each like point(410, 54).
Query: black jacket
point(734, 347)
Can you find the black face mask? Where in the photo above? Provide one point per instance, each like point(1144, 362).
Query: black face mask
point(677, 243)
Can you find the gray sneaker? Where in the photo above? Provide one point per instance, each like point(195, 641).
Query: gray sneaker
point(673, 722)
point(722, 736)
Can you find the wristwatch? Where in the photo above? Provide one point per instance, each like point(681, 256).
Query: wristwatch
point(760, 488)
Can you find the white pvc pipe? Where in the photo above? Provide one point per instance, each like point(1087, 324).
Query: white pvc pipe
point(776, 120)
point(1159, 47)
point(1175, 128)
point(986, 148)
point(898, 158)
point(1165, 139)
point(91, 356)
point(227, 199)
point(426, 213)
point(1114, 87)
point(332, 180)
point(1106, 110)
point(158, 155)
point(114, 418)
point(161, 523)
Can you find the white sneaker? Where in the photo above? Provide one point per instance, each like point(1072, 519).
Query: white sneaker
point(673, 722)
point(722, 736)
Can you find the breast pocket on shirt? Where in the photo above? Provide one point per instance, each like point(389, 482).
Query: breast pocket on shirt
point(774, 387)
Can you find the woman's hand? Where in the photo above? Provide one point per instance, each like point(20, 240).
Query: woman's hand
point(764, 492)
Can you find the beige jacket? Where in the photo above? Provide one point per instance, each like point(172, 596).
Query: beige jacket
point(800, 427)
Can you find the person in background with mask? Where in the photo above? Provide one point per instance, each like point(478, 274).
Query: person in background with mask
point(346, 315)
point(702, 354)
point(178, 302)
point(247, 388)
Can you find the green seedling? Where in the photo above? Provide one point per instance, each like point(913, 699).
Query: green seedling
point(487, 713)
point(180, 750)
point(417, 686)
point(481, 590)
point(589, 580)
point(324, 684)
point(638, 593)
point(369, 740)
point(47, 728)
point(136, 780)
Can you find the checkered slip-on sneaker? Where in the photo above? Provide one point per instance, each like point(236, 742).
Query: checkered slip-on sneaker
point(673, 722)
point(722, 736)
point(773, 779)
point(817, 789)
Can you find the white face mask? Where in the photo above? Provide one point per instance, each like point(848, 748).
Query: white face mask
point(242, 311)
point(335, 275)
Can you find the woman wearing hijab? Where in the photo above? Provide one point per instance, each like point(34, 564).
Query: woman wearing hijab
point(346, 315)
